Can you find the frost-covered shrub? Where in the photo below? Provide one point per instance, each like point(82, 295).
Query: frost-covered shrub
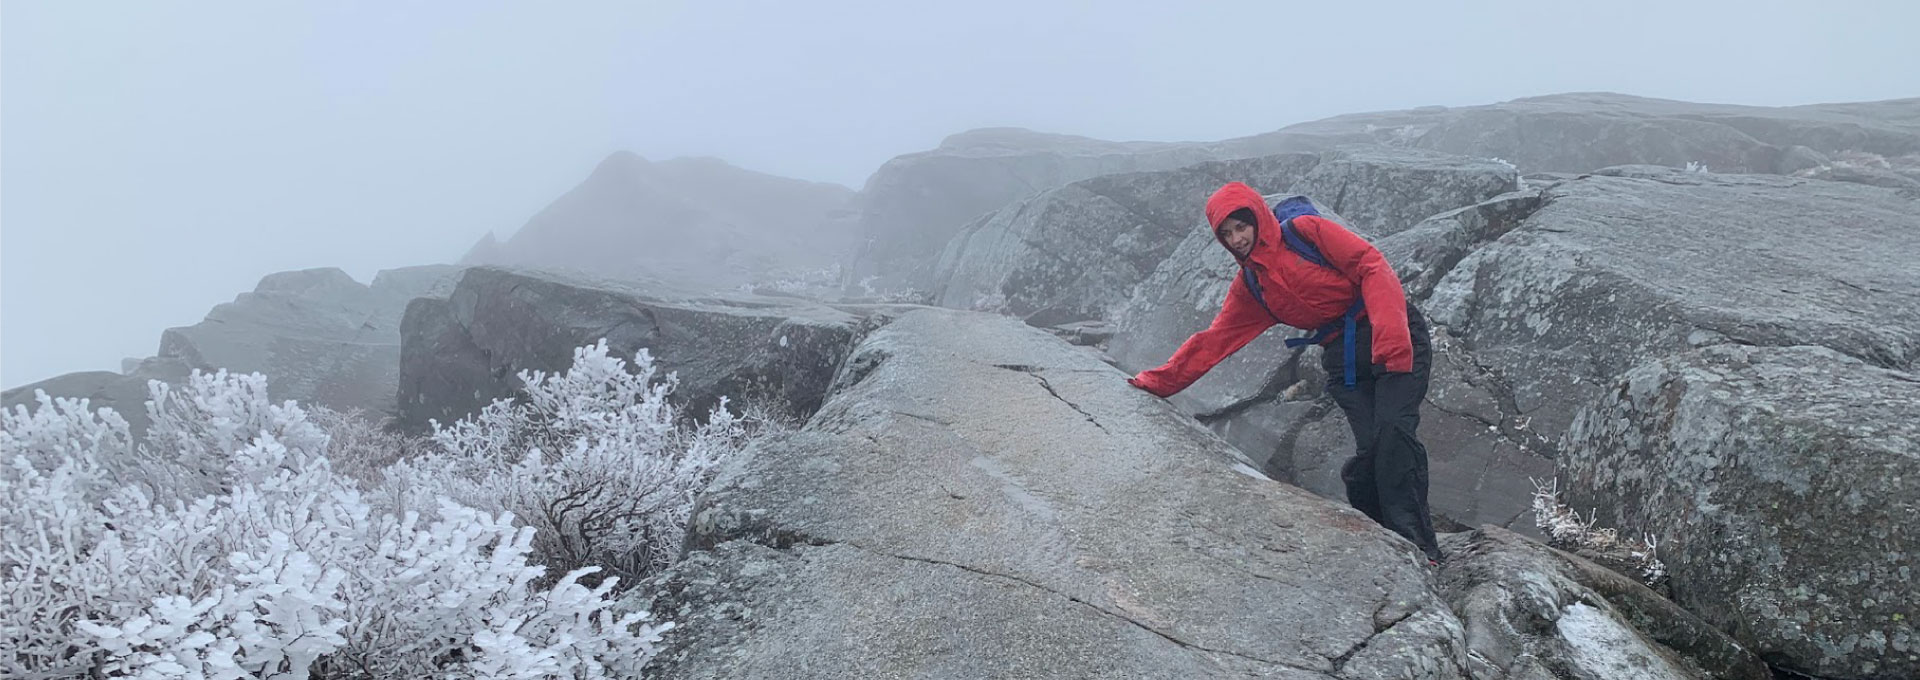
point(594, 459)
point(197, 426)
point(226, 545)
point(818, 283)
point(1567, 530)
point(360, 446)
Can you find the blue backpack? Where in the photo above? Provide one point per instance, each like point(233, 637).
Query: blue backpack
point(1286, 210)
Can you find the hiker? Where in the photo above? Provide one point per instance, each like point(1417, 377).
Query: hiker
point(1303, 270)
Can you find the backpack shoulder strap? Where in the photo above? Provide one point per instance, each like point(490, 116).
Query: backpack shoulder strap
point(1301, 246)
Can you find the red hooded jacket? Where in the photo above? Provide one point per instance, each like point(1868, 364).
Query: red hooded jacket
point(1299, 293)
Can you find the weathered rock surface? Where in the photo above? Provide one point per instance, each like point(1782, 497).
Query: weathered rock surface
point(1781, 484)
point(465, 350)
point(1384, 190)
point(1076, 253)
point(694, 221)
point(1614, 271)
point(1534, 612)
point(979, 499)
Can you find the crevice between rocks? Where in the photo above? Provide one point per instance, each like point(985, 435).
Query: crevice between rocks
point(1340, 662)
point(1035, 372)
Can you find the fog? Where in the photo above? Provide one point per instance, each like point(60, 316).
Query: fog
point(160, 158)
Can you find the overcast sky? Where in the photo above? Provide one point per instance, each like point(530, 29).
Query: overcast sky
point(159, 158)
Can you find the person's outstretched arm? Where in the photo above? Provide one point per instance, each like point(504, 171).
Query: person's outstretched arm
point(1240, 321)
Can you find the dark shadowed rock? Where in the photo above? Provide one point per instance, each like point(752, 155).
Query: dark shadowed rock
point(694, 221)
point(1781, 485)
point(1076, 253)
point(979, 499)
point(1534, 612)
point(466, 350)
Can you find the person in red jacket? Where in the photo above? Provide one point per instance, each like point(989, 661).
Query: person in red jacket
point(1387, 476)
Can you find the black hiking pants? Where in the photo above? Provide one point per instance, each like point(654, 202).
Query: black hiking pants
point(1387, 476)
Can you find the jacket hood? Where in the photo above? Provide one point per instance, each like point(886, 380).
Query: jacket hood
point(1234, 196)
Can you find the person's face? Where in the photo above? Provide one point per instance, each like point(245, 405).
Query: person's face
point(1237, 236)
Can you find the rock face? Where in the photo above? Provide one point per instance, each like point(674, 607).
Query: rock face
point(1076, 253)
point(1534, 612)
point(1384, 190)
point(1269, 400)
point(695, 221)
point(1615, 271)
point(979, 499)
point(1782, 484)
point(125, 393)
point(319, 336)
point(1581, 132)
point(465, 350)
point(916, 203)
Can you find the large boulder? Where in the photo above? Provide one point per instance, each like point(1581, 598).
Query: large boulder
point(979, 499)
point(1383, 190)
point(696, 221)
point(1270, 401)
point(1076, 253)
point(1532, 612)
point(319, 336)
point(1614, 271)
point(463, 351)
point(1781, 484)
